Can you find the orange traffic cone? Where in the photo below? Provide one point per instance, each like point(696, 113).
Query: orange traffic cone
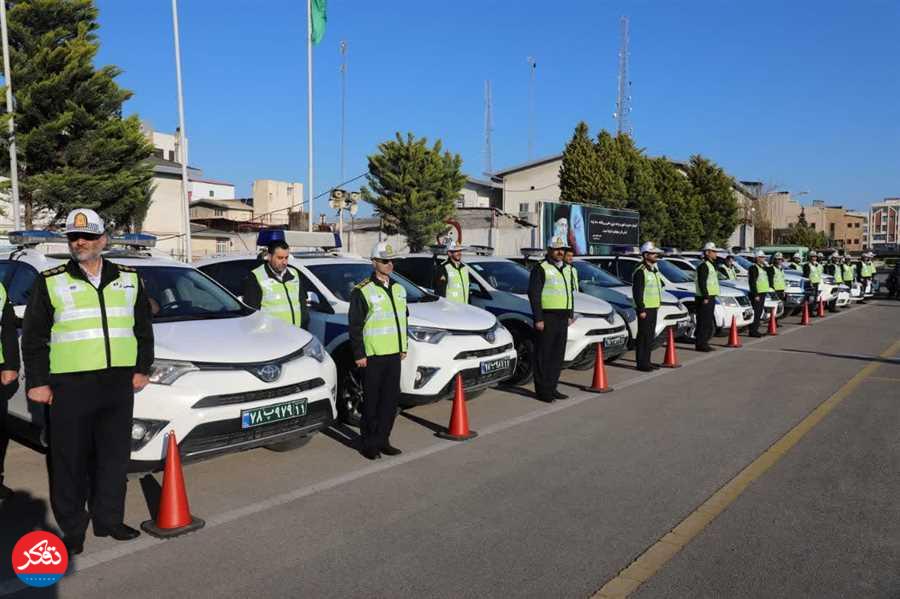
point(821, 311)
point(174, 517)
point(733, 339)
point(773, 326)
point(671, 360)
point(599, 385)
point(804, 320)
point(459, 416)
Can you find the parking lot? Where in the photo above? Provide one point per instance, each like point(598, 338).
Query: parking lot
point(554, 500)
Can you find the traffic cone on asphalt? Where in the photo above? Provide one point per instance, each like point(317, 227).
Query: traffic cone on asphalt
point(773, 326)
point(804, 320)
point(599, 385)
point(459, 416)
point(174, 517)
point(821, 311)
point(671, 360)
point(733, 339)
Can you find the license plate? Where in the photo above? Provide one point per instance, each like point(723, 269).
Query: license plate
point(495, 365)
point(613, 341)
point(273, 413)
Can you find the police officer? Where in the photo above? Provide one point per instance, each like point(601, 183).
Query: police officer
point(451, 278)
point(706, 290)
point(812, 270)
point(727, 268)
point(377, 318)
point(552, 302)
point(866, 273)
point(276, 289)
point(9, 373)
point(646, 288)
point(87, 346)
point(849, 273)
point(795, 263)
point(776, 275)
point(834, 269)
point(569, 258)
point(758, 277)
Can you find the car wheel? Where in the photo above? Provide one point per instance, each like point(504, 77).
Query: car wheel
point(524, 372)
point(289, 445)
point(349, 393)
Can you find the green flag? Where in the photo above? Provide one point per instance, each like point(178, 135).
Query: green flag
point(319, 18)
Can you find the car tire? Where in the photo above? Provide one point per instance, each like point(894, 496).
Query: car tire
point(349, 391)
point(289, 445)
point(524, 372)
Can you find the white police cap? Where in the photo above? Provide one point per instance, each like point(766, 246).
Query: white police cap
point(384, 251)
point(557, 243)
point(650, 248)
point(709, 245)
point(84, 220)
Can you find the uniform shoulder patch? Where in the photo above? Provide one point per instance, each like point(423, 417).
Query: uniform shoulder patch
point(124, 268)
point(54, 271)
point(362, 284)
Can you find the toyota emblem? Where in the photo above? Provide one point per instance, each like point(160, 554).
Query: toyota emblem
point(268, 373)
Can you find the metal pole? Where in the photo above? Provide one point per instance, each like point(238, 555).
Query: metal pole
point(343, 134)
point(13, 161)
point(309, 113)
point(182, 136)
point(532, 65)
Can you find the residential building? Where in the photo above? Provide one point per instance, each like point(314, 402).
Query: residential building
point(235, 210)
point(199, 189)
point(166, 146)
point(480, 193)
point(851, 231)
point(884, 225)
point(274, 201)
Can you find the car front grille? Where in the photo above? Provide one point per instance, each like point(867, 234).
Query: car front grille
point(483, 353)
point(609, 331)
point(223, 435)
point(262, 394)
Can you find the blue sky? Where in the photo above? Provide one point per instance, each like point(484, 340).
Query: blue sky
point(802, 95)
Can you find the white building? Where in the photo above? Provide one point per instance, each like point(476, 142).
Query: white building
point(884, 225)
point(273, 200)
point(209, 189)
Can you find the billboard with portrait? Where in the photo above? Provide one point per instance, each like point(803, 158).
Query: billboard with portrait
point(590, 230)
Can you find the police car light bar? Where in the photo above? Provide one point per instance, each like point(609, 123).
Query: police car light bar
point(532, 253)
point(134, 240)
point(31, 238)
point(482, 250)
point(298, 239)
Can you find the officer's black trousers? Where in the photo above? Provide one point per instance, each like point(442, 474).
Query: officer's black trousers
point(549, 353)
point(645, 334)
point(813, 299)
point(706, 322)
point(4, 437)
point(90, 445)
point(381, 386)
point(758, 307)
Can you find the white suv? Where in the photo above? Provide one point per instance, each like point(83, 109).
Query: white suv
point(225, 378)
point(445, 339)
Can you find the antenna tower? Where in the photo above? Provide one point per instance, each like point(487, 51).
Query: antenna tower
point(623, 99)
point(488, 128)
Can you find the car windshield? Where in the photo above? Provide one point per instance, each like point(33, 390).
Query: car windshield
point(744, 262)
point(503, 275)
point(672, 273)
point(590, 274)
point(178, 293)
point(340, 278)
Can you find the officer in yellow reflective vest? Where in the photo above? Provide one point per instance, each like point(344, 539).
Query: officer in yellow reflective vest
point(776, 275)
point(9, 374)
point(451, 278)
point(552, 306)
point(866, 271)
point(727, 268)
point(758, 278)
point(706, 291)
point(849, 273)
point(646, 289)
point(834, 269)
point(87, 346)
point(378, 315)
point(276, 289)
point(812, 270)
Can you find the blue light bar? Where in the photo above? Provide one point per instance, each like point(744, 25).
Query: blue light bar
point(141, 240)
point(34, 237)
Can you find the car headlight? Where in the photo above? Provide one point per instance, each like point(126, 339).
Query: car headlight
point(166, 372)
point(426, 334)
point(313, 349)
point(143, 430)
point(727, 300)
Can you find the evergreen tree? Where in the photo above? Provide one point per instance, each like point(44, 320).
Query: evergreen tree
point(679, 205)
point(74, 147)
point(640, 189)
point(612, 171)
point(802, 234)
point(716, 195)
point(414, 188)
point(580, 176)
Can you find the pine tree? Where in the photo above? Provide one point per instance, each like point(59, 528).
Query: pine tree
point(580, 176)
point(613, 190)
point(715, 191)
point(414, 188)
point(679, 205)
point(74, 147)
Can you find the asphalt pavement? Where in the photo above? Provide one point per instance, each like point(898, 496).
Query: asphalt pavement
point(551, 500)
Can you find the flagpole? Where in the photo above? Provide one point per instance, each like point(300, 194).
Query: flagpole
point(309, 114)
point(10, 109)
point(182, 136)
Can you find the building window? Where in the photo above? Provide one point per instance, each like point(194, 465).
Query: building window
point(172, 155)
point(524, 207)
point(461, 201)
point(212, 193)
point(219, 212)
point(856, 242)
point(221, 246)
